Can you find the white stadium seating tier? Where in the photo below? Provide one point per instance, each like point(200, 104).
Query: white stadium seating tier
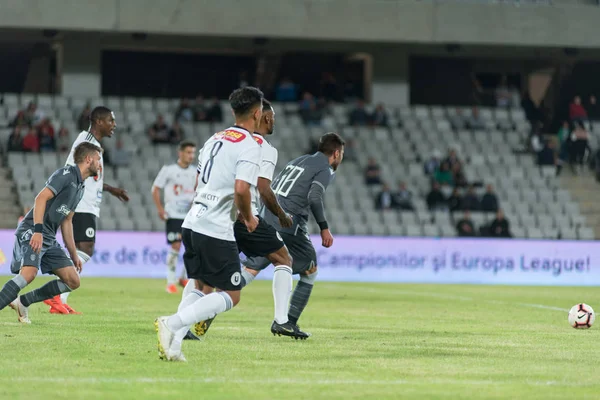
point(530, 196)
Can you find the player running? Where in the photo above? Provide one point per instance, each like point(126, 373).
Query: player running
point(177, 181)
point(102, 124)
point(36, 246)
point(230, 163)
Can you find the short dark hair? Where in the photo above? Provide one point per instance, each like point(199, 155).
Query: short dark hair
point(330, 142)
point(267, 105)
point(244, 99)
point(99, 112)
point(84, 149)
point(185, 144)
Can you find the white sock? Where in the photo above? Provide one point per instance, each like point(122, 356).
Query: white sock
point(189, 287)
point(282, 289)
point(84, 258)
point(202, 309)
point(172, 266)
point(192, 296)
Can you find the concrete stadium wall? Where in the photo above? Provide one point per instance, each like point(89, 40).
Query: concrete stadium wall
point(348, 20)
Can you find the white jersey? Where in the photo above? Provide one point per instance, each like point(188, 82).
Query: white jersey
point(178, 186)
point(92, 196)
point(267, 168)
point(227, 156)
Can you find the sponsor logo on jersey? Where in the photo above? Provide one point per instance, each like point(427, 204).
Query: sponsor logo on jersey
point(63, 209)
point(89, 232)
point(66, 171)
point(209, 197)
point(258, 139)
point(26, 235)
point(232, 136)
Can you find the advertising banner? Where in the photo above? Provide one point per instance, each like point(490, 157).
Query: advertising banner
point(376, 259)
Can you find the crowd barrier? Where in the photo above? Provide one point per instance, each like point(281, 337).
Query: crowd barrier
point(376, 259)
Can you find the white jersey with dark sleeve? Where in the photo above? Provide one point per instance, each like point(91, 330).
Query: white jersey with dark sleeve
point(267, 168)
point(227, 156)
point(177, 184)
point(92, 197)
point(300, 188)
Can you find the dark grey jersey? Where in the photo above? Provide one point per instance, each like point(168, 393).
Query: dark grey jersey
point(68, 187)
point(300, 177)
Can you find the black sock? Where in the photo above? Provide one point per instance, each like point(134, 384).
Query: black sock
point(49, 290)
point(9, 293)
point(299, 301)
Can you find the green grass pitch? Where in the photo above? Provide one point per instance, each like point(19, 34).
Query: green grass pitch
point(375, 341)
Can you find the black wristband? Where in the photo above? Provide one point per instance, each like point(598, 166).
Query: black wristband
point(37, 228)
point(323, 225)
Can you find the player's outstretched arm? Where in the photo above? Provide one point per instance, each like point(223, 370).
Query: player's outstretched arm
point(39, 209)
point(270, 201)
point(66, 227)
point(119, 193)
point(243, 199)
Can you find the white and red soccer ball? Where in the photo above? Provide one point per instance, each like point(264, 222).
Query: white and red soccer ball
point(581, 316)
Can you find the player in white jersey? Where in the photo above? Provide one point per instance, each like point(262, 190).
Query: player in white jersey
point(102, 124)
point(177, 181)
point(230, 163)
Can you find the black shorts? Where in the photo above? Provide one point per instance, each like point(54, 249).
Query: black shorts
point(52, 257)
point(213, 261)
point(84, 227)
point(301, 249)
point(263, 241)
point(174, 230)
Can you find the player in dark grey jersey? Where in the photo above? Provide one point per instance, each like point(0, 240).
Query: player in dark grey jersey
point(300, 188)
point(36, 246)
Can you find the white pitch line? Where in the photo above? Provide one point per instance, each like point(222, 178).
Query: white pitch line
point(288, 381)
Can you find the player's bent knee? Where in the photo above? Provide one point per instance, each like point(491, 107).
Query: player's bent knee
point(311, 277)
point(86, 247)
point(281, 257)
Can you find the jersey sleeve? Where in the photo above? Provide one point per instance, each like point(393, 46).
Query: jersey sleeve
point(268, 163)
point(161, 178)
point(247, 166)
point(323, 178)
point(60, 180)
point(199, 167)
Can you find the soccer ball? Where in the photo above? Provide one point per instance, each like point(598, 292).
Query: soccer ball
point(581, 316)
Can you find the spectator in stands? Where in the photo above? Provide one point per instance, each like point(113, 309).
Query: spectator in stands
point(15, 140)
point(199, 109)
point(286, 91)
point(372, 173)
point(465, 227)
point(47, 124)
point(489, 201)
point(537, 142)
point(500, 227)
point(432, 164)
point(309, 111)
point(576, 110)
point(380, 116)
point(470, 200)
point(159, 131)
point(564, 132)
point(119, 157)
point(403, 198)
point(455, 201)
point(33, 114)
point(503, 94)
point(46, 139)
point(579, 143)
point(593, 109)
point(350, 153)
point(214, 112)
point(185, 112)
point(176, 133)
point(443, 175)
point(20, 120)
point(358, 115)
point(83, 122)
point(458, 175)
point(435, 198)
point(384, 199)
point(564, 135)
point(63, 143)
point(453, 159)
point(476, 122)
point(547, 156)
point(329, 87)
point(31, 141)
